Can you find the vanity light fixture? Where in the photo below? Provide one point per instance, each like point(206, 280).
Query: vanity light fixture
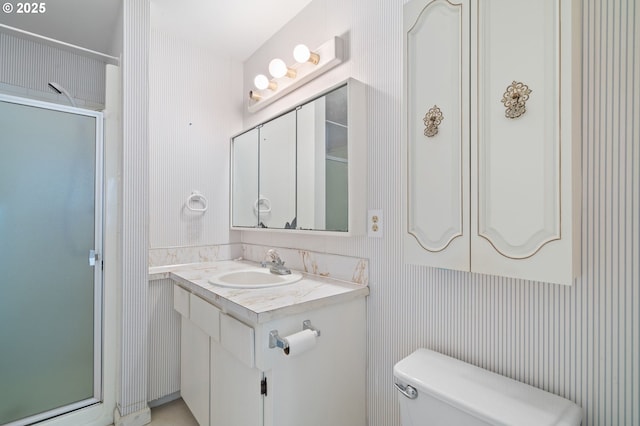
point(262, 82)
point(309, 65)
point(302, 54)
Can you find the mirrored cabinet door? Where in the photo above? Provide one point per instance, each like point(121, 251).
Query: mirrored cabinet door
point(244, 169)
point(323, 187)
point(276, 207)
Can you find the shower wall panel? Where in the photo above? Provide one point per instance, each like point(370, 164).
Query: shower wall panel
point(27, 66)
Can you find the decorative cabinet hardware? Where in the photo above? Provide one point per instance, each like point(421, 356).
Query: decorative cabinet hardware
point(515, 99)
point(432, 120)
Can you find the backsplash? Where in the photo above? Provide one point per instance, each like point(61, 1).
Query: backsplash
point(340, 267)
point(182, 255)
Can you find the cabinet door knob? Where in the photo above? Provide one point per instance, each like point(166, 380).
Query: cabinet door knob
point(432, 120)
point(515, 99)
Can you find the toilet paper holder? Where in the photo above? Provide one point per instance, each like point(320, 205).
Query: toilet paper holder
point(275, 341)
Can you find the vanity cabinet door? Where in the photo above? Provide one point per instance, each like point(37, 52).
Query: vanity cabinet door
point(194, 357)
point(194, 370)
point(525, 147)
point(236, 398)
point(200, 326)
point(436, 133)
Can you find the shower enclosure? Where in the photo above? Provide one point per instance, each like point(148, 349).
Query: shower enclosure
point(50, 263)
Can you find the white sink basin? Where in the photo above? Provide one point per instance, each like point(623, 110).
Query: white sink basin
point(253, 278)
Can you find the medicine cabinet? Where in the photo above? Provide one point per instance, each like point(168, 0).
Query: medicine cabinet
point(491, 137)
point(304, 170)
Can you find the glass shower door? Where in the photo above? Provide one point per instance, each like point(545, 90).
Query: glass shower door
point(50, 293)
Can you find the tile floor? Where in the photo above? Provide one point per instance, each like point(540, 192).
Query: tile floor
point(174, 413)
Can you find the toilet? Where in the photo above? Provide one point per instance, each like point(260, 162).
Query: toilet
point(435, 389)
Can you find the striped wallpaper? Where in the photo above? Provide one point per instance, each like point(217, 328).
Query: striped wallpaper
point(191, 119)
point(132, 391)
point(164, 341)
point(581, 342)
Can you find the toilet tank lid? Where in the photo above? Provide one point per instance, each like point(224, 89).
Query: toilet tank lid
point(486, 395)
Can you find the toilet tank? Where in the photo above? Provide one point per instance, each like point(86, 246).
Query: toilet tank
point(436, 389)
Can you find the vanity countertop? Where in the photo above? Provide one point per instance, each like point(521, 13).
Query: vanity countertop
point(260, 305)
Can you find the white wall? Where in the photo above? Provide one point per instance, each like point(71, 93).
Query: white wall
point(192, 116)
point(581, 342)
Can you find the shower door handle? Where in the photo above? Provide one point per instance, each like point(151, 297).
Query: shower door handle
point(93, 257)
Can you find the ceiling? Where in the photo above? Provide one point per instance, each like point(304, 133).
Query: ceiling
point(233, 27)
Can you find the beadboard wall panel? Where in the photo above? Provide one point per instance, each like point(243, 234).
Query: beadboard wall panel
point(191, 120)
point(132, 392)
point(581, 342)
point(31, 66)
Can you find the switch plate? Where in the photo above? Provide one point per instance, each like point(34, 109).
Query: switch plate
point(375, 224)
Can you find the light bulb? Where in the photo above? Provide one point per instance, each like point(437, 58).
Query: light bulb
point(302, 54)
point(261, 81)
point(277, 68)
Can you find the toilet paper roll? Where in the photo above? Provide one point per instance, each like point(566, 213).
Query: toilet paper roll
point(300, 342)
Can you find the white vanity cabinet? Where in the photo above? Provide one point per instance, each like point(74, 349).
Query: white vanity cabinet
point(248, 383)
point(491, 137)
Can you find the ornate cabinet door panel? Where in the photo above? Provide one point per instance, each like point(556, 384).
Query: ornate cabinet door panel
point(522, 129)
point(436, 133)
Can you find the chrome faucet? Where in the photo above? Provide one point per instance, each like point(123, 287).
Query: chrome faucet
point(277, 265)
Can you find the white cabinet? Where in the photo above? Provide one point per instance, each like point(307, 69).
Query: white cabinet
point(195, 338)
point(230, 376)
point(236, 399)
point(194, 370)
point(487, 188)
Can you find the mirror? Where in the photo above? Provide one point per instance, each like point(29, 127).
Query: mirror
point(298, 170)
point(244, 178)
point(276, 206)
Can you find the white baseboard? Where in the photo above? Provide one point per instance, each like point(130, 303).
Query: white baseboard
point(139, 418)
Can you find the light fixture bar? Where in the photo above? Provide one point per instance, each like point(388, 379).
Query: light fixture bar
point(330, 54)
